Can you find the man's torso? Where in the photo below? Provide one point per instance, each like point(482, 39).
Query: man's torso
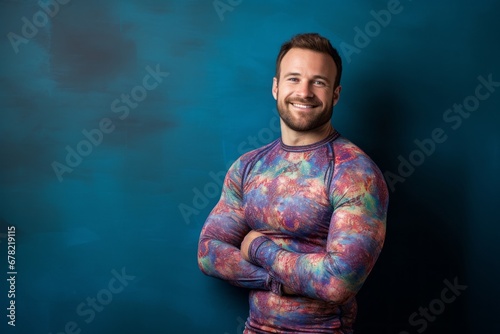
point(287, 196)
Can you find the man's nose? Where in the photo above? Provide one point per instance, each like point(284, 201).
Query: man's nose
point(304, 90)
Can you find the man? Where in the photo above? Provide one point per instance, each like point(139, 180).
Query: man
point(301, 221)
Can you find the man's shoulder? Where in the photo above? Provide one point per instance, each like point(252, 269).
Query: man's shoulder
point(356, 173)
point(248, 159)
point(258, 152)
point(351, 157)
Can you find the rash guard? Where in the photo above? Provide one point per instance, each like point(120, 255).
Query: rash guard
point(322, 209)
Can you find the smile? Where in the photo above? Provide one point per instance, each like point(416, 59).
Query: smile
point(302, 106)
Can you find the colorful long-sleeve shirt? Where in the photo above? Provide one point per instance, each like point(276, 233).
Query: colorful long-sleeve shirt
point(322, 208)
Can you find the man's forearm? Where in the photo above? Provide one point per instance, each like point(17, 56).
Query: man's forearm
point(224, 261)
point(313, 275)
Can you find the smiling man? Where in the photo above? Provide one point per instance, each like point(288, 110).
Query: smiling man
point(301, 221)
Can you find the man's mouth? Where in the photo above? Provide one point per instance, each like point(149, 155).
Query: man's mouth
point(303, 106)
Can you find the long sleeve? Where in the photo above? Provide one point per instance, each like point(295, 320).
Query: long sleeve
point(355, 238)
point(218, 249)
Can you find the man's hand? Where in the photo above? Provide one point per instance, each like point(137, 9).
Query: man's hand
point(287, 291)
point(245, 244)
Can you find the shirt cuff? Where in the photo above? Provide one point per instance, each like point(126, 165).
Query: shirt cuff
point(254, 247)
point(271, 283)
point(274, 286)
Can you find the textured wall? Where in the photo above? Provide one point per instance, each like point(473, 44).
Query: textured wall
point(119, 119)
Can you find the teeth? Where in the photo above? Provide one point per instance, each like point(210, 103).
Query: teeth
point(302, 106)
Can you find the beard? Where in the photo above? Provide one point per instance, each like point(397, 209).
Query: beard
point(307, 120)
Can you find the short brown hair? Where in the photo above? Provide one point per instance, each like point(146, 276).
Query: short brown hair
point(314, 42)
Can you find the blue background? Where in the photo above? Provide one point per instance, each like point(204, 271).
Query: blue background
point(137, 201)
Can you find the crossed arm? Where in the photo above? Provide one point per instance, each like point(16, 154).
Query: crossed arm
point(219, 245)
point(229, 250)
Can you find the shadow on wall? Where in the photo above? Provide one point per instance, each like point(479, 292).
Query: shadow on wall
point(418, 281)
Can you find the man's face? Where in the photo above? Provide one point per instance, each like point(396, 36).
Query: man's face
point(305, 91)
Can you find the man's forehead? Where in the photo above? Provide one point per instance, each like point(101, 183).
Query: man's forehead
point(299, 60)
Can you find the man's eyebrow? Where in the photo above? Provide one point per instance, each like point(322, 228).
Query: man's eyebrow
point(291, 74)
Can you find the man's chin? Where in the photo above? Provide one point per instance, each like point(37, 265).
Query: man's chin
point(302, 126)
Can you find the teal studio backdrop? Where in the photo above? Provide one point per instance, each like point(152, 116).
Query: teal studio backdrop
point(120, 118)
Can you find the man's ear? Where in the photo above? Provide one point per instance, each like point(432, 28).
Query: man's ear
point(275, 88)
point(336, 94)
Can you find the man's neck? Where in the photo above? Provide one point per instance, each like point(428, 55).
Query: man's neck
point(301, 138)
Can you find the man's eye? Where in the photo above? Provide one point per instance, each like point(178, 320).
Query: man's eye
point(319, 83)
point(293, 79)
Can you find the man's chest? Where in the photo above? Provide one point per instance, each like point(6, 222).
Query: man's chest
point(289, 197)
